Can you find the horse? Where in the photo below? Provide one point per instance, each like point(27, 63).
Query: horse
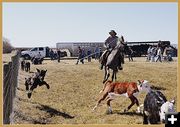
point(114, 60)
point(36, 80)
point(128, 89)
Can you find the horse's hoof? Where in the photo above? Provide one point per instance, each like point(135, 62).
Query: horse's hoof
point(48, 87)
point(104, 81)
point(125, 110)
point(29, 95)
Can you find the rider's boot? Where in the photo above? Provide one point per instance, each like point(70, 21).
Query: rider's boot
point(120, 67)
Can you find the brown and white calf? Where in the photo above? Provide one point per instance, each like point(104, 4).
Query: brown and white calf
point(129, 89)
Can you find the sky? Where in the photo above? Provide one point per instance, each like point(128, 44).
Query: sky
point(45, 24)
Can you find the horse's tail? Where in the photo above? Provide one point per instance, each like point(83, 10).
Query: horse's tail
point(105, 84)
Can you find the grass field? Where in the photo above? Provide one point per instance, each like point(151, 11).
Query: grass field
point(75, 90)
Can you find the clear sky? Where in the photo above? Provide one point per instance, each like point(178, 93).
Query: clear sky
point(45, 24)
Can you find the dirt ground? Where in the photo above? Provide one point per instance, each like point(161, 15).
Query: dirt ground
point(74, 90)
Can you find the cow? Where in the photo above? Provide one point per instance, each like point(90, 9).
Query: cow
point(36, 80)
point(28, 83)
point(128, 89)
point(22, 65)
point(155, 107)
point(27, 66)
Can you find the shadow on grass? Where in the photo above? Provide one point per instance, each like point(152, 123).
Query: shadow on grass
point(133, 113)
point(53, 112)
point(31, 72)
point(157, 88)
point(19, 116)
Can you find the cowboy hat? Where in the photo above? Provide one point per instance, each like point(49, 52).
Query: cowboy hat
point(112, 31)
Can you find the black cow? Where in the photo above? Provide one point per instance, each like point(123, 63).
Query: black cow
point(155, 107)
point(27, 66)
point(35, 80)
point(22, 65)
point(28, 83)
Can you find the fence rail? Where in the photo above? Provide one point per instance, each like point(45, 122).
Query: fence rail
point(10, 81)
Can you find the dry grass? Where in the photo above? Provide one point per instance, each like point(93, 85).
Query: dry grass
point(75, 90)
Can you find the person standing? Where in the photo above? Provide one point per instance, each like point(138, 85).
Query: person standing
point(38, 58)
point(100, 52)
point(149, 53)
point(159, 54)
point(59, 55)
point(79, 55)
point(51, 54)
point(89, 55)
point(83, 56)
point(130, 54)
point(153, 53)
point(97, 53)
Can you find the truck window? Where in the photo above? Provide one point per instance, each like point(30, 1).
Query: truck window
point(34, 49)
point(41, 49)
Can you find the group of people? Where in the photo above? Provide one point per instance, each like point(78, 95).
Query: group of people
point(155, 54)
point(152, 52)
point(82, 54)
point(55, 55)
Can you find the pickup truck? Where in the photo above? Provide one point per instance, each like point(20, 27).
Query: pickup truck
point(28, 54)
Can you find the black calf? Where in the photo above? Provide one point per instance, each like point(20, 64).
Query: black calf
point(22, 65)
point(152, 103)
point(27, 66)
point(28, 83)
point(37, 79)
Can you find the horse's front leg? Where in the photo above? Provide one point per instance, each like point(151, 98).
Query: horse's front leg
point(107, 74)
point(113, 75)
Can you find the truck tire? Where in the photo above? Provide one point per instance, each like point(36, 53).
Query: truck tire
point(27, 57)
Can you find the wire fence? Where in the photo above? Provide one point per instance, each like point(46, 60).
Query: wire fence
point(10, 81)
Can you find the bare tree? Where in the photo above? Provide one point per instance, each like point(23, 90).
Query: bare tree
point(7, 47)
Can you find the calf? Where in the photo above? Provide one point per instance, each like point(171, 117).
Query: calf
point(22, 65)
point(129, 89)
point(28, 82)
point(27, 66)
point(36, 80)
point(155, 107)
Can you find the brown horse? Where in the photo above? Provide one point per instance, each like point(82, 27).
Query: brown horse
point(129, 89)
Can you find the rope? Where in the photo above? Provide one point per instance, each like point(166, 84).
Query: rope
point(98, 52)
point(88, 55)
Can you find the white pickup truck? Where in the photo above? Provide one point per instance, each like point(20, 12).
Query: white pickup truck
point(28, 54)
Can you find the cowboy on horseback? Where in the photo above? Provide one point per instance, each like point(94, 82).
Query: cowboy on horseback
point(110, 43)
